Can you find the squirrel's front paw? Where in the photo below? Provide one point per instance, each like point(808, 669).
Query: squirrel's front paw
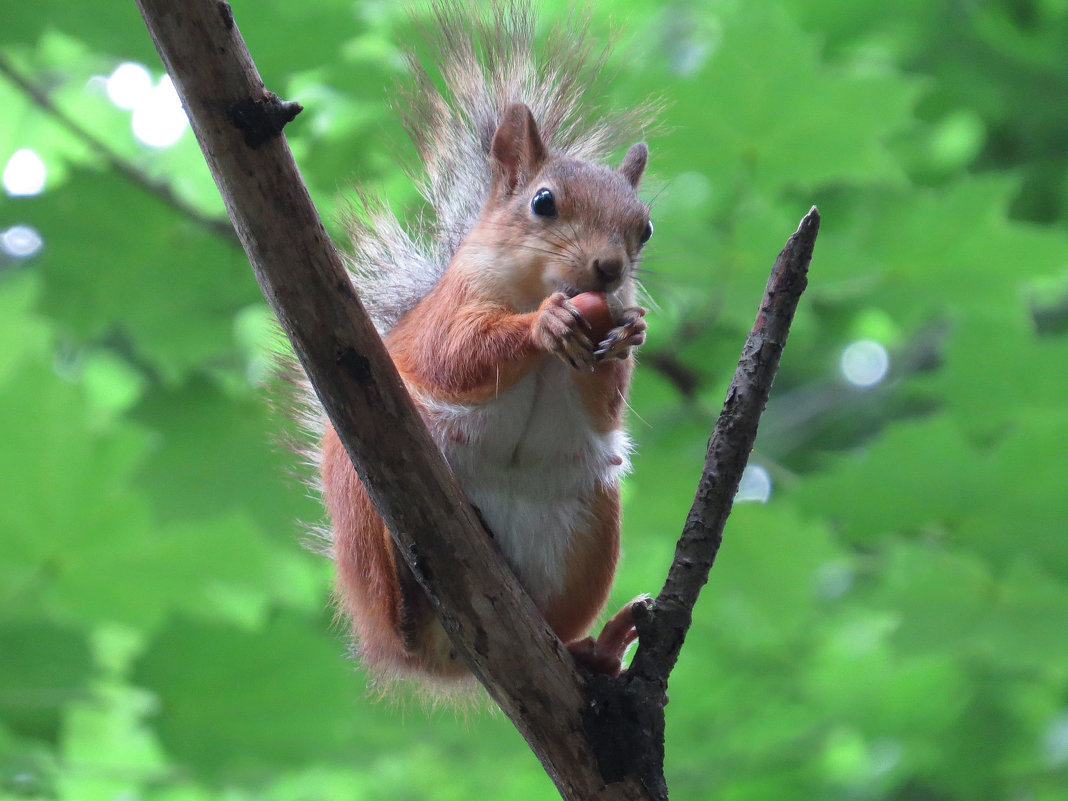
point(628, 334)
point(561, 329)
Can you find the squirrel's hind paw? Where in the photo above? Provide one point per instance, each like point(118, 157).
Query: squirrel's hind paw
point(605, 654)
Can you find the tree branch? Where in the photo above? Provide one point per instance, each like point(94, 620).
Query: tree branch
point(662, 635)
point(599, 738)
point(494, 624)
point(127, 170)
point(631, 711)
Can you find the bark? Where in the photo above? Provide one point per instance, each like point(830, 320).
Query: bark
point(494, 624)
point(728, 452)
point(663, 627)
point(598, 738)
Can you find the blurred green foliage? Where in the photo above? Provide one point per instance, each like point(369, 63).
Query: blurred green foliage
point(891, 624)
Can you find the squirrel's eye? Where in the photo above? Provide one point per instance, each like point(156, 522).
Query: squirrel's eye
point(543, 204)
point(647, 232)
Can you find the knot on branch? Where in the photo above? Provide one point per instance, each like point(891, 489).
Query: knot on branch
point(356, 365)
point(227, 15)
point(261, 120)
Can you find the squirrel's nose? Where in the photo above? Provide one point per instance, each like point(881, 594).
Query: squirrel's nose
point(608, 269)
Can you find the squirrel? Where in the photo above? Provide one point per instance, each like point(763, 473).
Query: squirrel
point(512, 322)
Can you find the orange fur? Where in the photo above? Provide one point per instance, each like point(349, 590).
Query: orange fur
point(485, 350)
point(512, 391)
point(367, 588)
point(395, 627)
point(591, 566)
point(461, 347)
point(604, 390)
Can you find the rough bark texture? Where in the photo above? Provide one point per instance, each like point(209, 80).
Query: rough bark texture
point(728, 452)
point(626, 717)
point(493, 622)
point(598, 738)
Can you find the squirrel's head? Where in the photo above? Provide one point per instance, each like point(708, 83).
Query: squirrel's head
point(556, 224)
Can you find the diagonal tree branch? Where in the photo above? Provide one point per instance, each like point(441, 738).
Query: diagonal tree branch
point(728, 452)
point(635, 705)
point(599, 738)
point(494, 624)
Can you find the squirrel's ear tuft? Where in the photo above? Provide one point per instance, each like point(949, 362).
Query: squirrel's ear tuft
point(634, 163)
point(517, 152)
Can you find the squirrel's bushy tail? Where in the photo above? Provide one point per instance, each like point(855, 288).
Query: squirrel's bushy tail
point(484, 58)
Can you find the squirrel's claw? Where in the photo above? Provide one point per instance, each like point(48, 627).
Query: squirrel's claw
point(559, 330)
point(576, 315)
point(630, 333)
point(605, 654)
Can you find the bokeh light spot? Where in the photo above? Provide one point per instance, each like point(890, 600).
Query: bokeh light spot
point(834, 579)
point(24, 173)
point(865, 363)
point(1055, 742)
point(20, 241)
point(129, 85)
point(754, 486)
point(159, 118)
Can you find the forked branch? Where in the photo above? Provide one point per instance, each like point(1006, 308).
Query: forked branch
point(599, 739)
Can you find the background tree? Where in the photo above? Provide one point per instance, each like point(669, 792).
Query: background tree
point(889, 624)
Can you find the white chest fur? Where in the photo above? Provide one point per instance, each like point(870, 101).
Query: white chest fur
point(530, 462)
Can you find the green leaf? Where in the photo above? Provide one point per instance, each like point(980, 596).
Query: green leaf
point(235, 702)
point(764, 111)
point(43, 668)
point(108, 748)
point(172, 295)
point(66, 494)
point(208, 438)
point(898, 484)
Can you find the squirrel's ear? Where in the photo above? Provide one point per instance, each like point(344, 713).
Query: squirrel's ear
point(517, 151)
point(634, 163)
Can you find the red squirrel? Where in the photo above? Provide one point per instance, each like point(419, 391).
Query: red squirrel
point(522, 395)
